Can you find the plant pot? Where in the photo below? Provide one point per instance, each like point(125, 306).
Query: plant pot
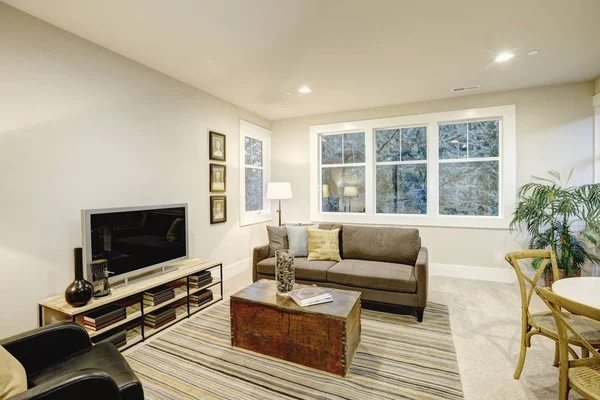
point(549, 277)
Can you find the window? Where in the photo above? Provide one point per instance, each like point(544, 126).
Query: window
point(255, 171)
point(469, 166)
point(343, 172)
point(401, 170)
point(452, 168)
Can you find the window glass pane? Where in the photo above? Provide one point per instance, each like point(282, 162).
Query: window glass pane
point(254, 189)
point(256, 152)
point(402, 189)
point(484, 139)
point(331, 149)
point(248, 150)
point(453, 141)
point(414, 143)
point(343, 189)
point(387, 145)
point(354, 148)
point(469, 188)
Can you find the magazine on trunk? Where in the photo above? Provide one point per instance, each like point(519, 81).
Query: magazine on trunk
point(310, 295)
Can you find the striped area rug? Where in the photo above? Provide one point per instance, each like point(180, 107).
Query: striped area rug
point(398, 358)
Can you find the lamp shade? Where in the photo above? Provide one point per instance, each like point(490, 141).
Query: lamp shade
point(279, 190)
point(350, 191)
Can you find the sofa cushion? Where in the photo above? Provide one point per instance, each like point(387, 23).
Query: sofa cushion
point(13, 379)
point(374, 275)
point(309, 270)
point(323, 244)
point(381, 243)
point(278, 239)
point(298, 239)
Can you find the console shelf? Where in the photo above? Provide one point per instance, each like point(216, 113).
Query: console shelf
point(56, 309)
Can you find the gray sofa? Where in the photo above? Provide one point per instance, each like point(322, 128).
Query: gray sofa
point(386, 264)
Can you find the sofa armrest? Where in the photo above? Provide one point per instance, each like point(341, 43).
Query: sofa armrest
point(91, 384)
point(260, 253)
point(422, 275)
point(41, 347)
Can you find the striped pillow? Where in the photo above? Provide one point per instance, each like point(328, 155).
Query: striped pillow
point(323, 244)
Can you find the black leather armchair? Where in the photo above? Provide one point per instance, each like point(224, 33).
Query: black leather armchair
point(61, 363)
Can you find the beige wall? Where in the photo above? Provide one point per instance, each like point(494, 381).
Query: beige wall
point(82, 127)
point(597, 91)
point(554, 131)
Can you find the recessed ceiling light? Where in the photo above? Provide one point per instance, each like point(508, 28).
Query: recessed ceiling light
point(533, 52)
point(504, 57)
point(304, 90)
point(288, 93)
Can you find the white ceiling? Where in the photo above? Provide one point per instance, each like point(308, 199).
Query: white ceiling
point(354, 54)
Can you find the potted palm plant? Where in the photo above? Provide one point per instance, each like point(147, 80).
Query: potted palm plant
point(563, 218)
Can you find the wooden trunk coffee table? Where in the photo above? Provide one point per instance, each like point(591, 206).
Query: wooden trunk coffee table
point(324, 336)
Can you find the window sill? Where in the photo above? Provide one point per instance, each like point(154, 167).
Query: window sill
point(459, 221)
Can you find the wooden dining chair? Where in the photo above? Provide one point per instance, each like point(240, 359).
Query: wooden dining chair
point(543, 323)
point(583, 375)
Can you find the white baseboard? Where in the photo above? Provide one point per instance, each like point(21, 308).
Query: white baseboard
point(505, 275)
point(240, 267)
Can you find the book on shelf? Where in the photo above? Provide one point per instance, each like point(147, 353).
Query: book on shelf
point(201, 298)
point(96, 327)
point(309, 296)
point(116, 338)
point(159, 324)
point(201, 279)
point(104, 314)
point(158, 296)
point(158, 318)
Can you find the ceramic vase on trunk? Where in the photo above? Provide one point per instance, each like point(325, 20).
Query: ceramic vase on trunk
point(79, 293)
point(285, 272)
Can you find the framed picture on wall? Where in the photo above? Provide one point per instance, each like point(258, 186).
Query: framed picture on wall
point(218, 178)
point(218, 209)
point(217, 146)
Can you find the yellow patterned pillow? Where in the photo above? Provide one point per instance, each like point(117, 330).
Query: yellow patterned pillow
point(323, 244)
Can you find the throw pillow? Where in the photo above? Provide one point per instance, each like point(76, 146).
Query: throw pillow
point(298, 239)
point(278, 239)
point(13, 379)
point(323, 244)
point(175, 230)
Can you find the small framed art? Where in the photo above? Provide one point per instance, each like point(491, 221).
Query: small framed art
point(217, 146)
point(218, 178)
point(218, 209)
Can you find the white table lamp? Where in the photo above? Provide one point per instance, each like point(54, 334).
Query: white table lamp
point(279, 191)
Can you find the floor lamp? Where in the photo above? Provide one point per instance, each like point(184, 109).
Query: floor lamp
point(279, 191)
point(350, 192)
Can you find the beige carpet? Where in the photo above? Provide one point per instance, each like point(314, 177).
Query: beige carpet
point(398, 358)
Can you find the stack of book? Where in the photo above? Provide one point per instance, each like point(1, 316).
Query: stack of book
point(201, 297)
point(160, 317)
point(118, 338)
point(104, 317)
point(309, 296)
point(200, 279)
point(158, 295)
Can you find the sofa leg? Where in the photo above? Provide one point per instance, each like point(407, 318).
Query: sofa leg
point(420, 315)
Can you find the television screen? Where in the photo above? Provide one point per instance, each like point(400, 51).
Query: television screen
point(131, 240)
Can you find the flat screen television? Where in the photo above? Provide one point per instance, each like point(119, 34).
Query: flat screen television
point(134, 240)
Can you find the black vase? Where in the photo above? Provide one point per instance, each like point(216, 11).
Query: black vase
point(79, 293)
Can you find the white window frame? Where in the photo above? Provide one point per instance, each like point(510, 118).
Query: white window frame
point(399, 162)
point(342, 165)
point(248, 129)
point(507, 173)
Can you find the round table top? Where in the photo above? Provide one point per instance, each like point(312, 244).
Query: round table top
point(584, 290)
